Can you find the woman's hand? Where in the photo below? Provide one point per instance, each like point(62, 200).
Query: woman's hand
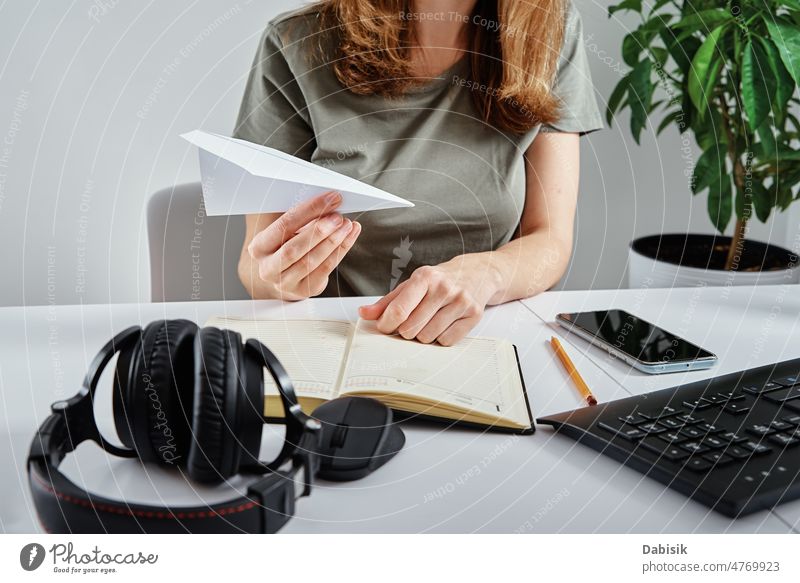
point(294, 255)
point(439, 303)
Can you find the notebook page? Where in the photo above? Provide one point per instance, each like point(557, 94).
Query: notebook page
point(311, 351)
point(479, 374)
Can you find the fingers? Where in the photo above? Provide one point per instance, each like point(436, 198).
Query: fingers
point(456, 331)
point(374, 311)
point(421, 315)
point(443, 319)
point(452, 322)
point(284, 228)
point(317, 280)
point(321, 252)
point(402, 305)
point(298, 247)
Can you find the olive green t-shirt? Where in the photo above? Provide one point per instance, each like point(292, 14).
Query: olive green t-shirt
point(465, 178)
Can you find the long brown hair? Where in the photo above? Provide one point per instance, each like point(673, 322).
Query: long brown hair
point(515, 45)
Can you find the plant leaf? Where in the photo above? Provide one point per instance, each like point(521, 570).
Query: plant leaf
point(758, 84)
point(710, 168)
point(784, 84)
point(639, 96)
point(720, 203)
point(681, 51)
point(704, 71)
point(634, 5)
point(787, 38)
point(704, 20)
point(766, 139)
point(668, 120)
point(785, 197)
point(661, 3)
point(660, 54)
point(616, 97)
point(708, 131)
point(631, 48)
point(763, 201)
point(793, 4)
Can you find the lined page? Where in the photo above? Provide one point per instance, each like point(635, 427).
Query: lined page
point(311, 351)
point(478, 374)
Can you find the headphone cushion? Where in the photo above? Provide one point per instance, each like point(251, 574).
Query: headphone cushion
point(213, 452)
point(163, 386)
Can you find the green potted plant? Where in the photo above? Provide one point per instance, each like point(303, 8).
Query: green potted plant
point(728, 72)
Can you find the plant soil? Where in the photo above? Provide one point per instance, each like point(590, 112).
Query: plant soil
point(710, 252)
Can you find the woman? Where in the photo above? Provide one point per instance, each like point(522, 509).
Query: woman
point(471, 109)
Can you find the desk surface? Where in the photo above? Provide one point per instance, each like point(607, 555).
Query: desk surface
point(453, 480)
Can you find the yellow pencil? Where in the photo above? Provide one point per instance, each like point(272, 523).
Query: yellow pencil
point(579, 383)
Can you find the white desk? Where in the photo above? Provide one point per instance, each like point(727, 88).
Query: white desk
point(453, 480)
point(745, 327)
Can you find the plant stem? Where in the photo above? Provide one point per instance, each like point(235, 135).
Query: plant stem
point(736, 241)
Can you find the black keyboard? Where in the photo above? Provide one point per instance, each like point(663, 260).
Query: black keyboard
point(731, 442)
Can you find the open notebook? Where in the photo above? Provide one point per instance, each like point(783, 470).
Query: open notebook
point(477, 381)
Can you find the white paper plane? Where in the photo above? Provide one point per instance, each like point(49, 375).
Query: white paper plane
point(241, 177)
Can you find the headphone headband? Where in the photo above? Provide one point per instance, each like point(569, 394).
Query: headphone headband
point(64, 507)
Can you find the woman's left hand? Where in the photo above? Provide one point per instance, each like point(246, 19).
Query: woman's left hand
point(439, 303)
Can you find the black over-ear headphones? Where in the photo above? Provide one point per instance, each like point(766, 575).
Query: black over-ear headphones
point(183, 396)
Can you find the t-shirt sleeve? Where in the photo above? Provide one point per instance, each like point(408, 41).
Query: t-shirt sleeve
point(573, 85)
point(273, 110)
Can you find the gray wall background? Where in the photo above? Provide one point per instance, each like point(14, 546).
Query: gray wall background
point(93, 96)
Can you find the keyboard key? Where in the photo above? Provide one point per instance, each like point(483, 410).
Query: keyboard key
point(756, 447)
point(793, 419)
point(665, 411)
point(632, 419)
point(714, 442)
point(762, 389)
point(625, 432)
point(694, 447)
point(784, 394)
point(731, 395)
point(651, 428)
point(718, 458)
point(761, 430)
point(792, 405)
point(698, 464)
point(787, 381)
point(732, 437)
point(697, 404)
point(692, 432)
point(736, 408)
point(714, 399)
point(783, 440)
point(672, 437)
point(708, 427)
point(737, 452)
point(688, 419)
point(663, 449)
point(778, 425)
point(670, 423)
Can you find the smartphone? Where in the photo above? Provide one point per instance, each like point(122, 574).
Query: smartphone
point(641, 344)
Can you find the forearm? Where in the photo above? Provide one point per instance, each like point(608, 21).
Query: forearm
point(522, 267)
point(248, 268)
point(252, 282)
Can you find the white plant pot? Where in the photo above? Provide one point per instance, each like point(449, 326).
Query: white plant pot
point(646, 272)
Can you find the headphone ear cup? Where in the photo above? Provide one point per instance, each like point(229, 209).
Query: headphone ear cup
point(215, 450)
point(158, 395)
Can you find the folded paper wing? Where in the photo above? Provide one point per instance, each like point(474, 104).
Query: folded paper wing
point(240, 177)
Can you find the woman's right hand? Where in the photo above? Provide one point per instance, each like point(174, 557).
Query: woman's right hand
point(296, 253)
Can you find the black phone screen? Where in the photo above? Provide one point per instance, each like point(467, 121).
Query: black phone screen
point(636, 337)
